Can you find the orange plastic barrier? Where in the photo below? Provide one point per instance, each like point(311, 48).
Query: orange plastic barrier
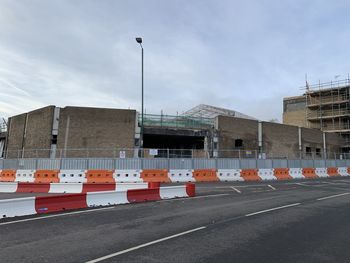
point(7, 175)
point(205, 175)
point(250, 175)
point(282, 174)
point(155, 175)
point(309, 173)
point(46, 176)
point(100, 176)
point(332, 171)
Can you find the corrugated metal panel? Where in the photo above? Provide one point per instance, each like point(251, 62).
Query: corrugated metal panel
point(48, 164)
point(320, 164)
point(128, 164)
point(307, 163)
point(11, 163)
point(330, 163)
point(204, 163)
point(73, 164)
point(294, 163)
point(157, 163)
point(264, 164)
point(248, 163)
point(27, 164)
point(1, 164)
point(184, 163)
point(340, 163)
point(225, 163)
point(279, 163)
point(100, 164)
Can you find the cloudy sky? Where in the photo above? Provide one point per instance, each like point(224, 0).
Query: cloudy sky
point(243, 55)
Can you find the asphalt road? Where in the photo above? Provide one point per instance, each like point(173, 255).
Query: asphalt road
point(303, 221)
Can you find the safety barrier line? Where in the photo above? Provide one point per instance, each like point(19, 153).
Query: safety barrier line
point(56, 203)
point(20, 187)
point(167, 176)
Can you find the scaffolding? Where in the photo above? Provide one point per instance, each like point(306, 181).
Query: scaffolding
point(328, 108)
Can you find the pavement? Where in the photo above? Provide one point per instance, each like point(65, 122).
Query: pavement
point(295, 221)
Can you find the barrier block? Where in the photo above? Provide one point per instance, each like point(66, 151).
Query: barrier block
point(33, 187)
point(296, 173)
point(100, 176)
point(282, 174)
point(343, 171)
point(8, 187)
point(127, 176)
point(333, 171)
point(46, 176)
point(98, 187)
point(47, 204)
point(142, 195)
point(72, 176)
point(321, 172)
point(191, 189)
point(250, 175)
point(26, 176)
point(266, 174)
point(309, 173)
point(155, 175)
point(205, 175)
point(177, 176)
point(229, 175)
point(8, 176)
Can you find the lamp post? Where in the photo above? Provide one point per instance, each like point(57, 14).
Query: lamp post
point(139, 40)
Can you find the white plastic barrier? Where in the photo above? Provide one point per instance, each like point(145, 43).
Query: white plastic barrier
point(181, 176)
point(8, 187)
point(72, 176)
point(25, 176)
point(343, 171)
point(17, 207)
point(321, 172)
point(266, 174)
point(127, 186)
point(127, 176)
point(229, 175)
point(106, 198)
point(66, 188)
point(296, 173)
point(172, 192)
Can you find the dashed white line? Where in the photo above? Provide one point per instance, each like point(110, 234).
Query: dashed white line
point(273, 188)
point(272, 209)
point(145, 245)
point(235, 189)
point(331, 196)
point(58, 215)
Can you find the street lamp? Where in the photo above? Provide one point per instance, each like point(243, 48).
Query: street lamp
point(139, 40)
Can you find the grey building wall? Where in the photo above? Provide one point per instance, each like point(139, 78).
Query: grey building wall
point(230, 129)
point(280, 140)
point(95, 128)
point(30, 132)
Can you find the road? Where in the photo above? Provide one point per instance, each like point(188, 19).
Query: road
point(303, 221)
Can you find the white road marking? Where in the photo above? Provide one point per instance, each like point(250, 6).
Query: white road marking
point(302, 184)
point(234, 188)
point(189, 198)
point(58, 215)
point(331, 196)
point(272, 209)
point(273, 188)
point(145, 245)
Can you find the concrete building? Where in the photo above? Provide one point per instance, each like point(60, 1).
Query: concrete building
point(96, 132)
point(325, 106)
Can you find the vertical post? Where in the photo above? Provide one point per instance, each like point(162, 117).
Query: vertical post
point(141, 141)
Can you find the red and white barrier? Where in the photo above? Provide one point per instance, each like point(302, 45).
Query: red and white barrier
point(18, 187)
point(47, 204)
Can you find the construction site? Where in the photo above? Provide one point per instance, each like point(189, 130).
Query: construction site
point(324, 106)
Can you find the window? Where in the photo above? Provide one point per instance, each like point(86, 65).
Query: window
point(308, 151)
point(238, 143)
point(318, 152)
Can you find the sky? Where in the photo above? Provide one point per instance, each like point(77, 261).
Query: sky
point(242, 55)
